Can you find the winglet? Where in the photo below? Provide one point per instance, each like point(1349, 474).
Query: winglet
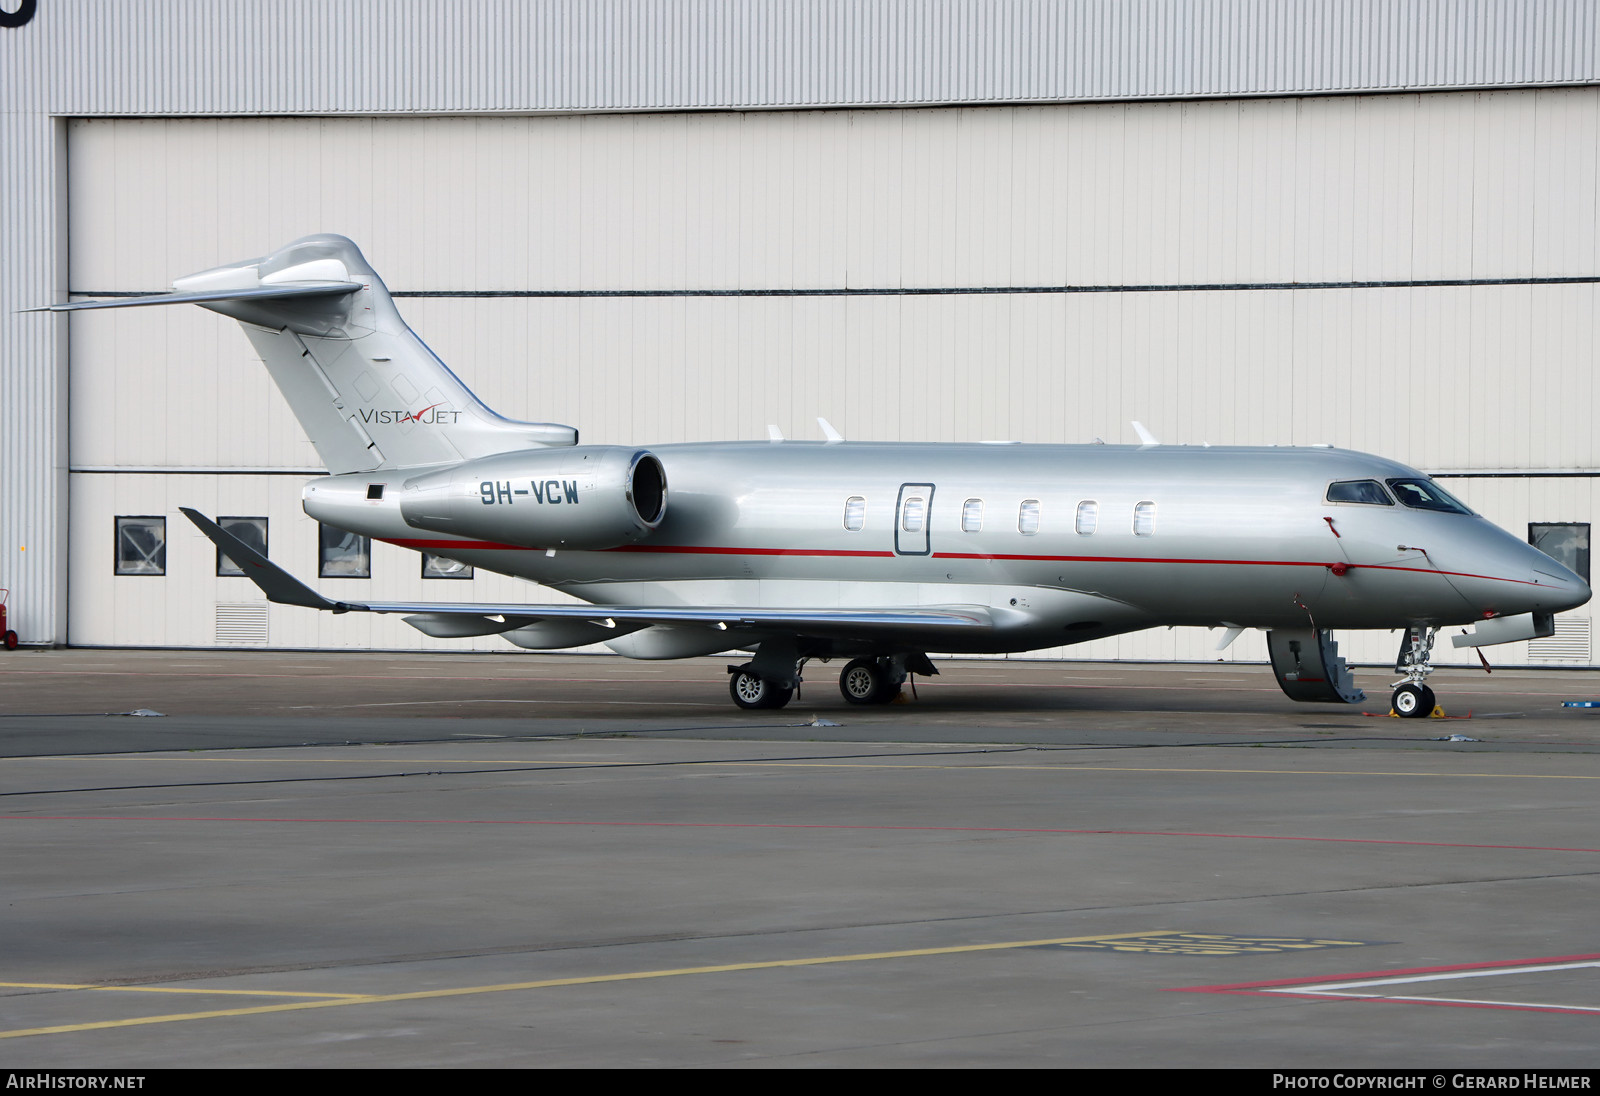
point(279, 585)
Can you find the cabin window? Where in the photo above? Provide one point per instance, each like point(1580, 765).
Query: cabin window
point(142, 546)
point(1088, 517)
point(343, 555)
point(855, 513)
point(1028, 517)
point(440, 567)
point(1144, 519)
point(374, 492)
point(1565, 542)
point(1367, 492)
point(972, 515)
point(911, 515)
point(253, 531)
point(1424, 494)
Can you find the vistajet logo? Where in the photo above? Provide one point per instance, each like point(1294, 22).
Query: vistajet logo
point(428, 416)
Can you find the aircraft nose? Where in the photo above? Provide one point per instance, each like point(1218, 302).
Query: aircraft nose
point(1561, 588)
point(1503, 575)
point(1551, 586)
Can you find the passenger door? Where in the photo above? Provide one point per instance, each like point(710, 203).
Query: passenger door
point(912, 513)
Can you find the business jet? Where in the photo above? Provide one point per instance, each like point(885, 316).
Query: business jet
point(869, 553)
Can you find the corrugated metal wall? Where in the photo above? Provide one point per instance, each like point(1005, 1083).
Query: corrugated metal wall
point(130, 58)
point(329, 56)
point(1200, 199)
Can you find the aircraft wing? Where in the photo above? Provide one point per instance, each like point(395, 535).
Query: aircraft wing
point(281, 587)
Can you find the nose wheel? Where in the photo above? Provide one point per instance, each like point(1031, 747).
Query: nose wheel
point(1412, 699)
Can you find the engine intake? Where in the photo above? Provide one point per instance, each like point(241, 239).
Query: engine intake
point(579, 497)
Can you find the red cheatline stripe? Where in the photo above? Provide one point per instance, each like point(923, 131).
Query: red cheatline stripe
point(1229, 563)
point(791, 826)
point(456, 545)
point(720, 550)
point(666, 549)
point(707, 549)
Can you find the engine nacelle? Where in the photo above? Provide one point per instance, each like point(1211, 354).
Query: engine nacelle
point(583, 497)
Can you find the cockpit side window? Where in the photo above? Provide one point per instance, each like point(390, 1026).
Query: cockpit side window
point(1370, 492)
point(1424, 494)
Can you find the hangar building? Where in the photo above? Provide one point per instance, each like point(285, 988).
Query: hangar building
point(1365, 223)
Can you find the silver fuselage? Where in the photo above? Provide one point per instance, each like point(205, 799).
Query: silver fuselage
point(1234, 537)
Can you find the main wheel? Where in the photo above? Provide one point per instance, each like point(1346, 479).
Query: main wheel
point(1412, 701)
point(865, 682)
point(751, 691)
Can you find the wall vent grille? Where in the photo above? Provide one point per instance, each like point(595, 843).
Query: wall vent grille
point(247, 624)
point(1569, 644)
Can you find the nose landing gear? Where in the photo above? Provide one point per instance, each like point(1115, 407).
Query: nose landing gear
point(1411, 698)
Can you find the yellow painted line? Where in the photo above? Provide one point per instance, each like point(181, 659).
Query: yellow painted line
point(280, 760)
point(170, 989)
point(589, 980)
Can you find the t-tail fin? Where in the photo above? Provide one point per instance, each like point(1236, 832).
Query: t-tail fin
point(366, 390)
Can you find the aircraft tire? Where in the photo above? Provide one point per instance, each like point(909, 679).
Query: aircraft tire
point(864, 682)
point(1412, 702)
point(750, 691)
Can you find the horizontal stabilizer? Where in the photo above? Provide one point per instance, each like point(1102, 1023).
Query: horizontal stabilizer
point(356, 377)
point(255, 293)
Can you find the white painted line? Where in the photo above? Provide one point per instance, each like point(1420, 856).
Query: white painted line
point(1332, 987)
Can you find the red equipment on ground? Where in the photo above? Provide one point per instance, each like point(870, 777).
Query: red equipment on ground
point(7, 636)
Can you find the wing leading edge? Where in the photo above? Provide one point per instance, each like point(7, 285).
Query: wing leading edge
point(283, 588)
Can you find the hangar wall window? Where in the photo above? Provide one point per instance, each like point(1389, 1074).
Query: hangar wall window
point(440, 567)
point(855, 513)
point(141, 546)
point(343, 555)
point(1565, 542)
point(253, 531)
point(1144, 519)
point(1088, 517)
point(972, 515)
point(1028, 517)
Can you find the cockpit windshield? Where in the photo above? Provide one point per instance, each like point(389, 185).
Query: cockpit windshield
point(1424, 494)
point(1370, 492)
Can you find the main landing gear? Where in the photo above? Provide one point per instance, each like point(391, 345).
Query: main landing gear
point(750, 690)
point(772, 678)
point(872, 680)
point(1412, 699)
